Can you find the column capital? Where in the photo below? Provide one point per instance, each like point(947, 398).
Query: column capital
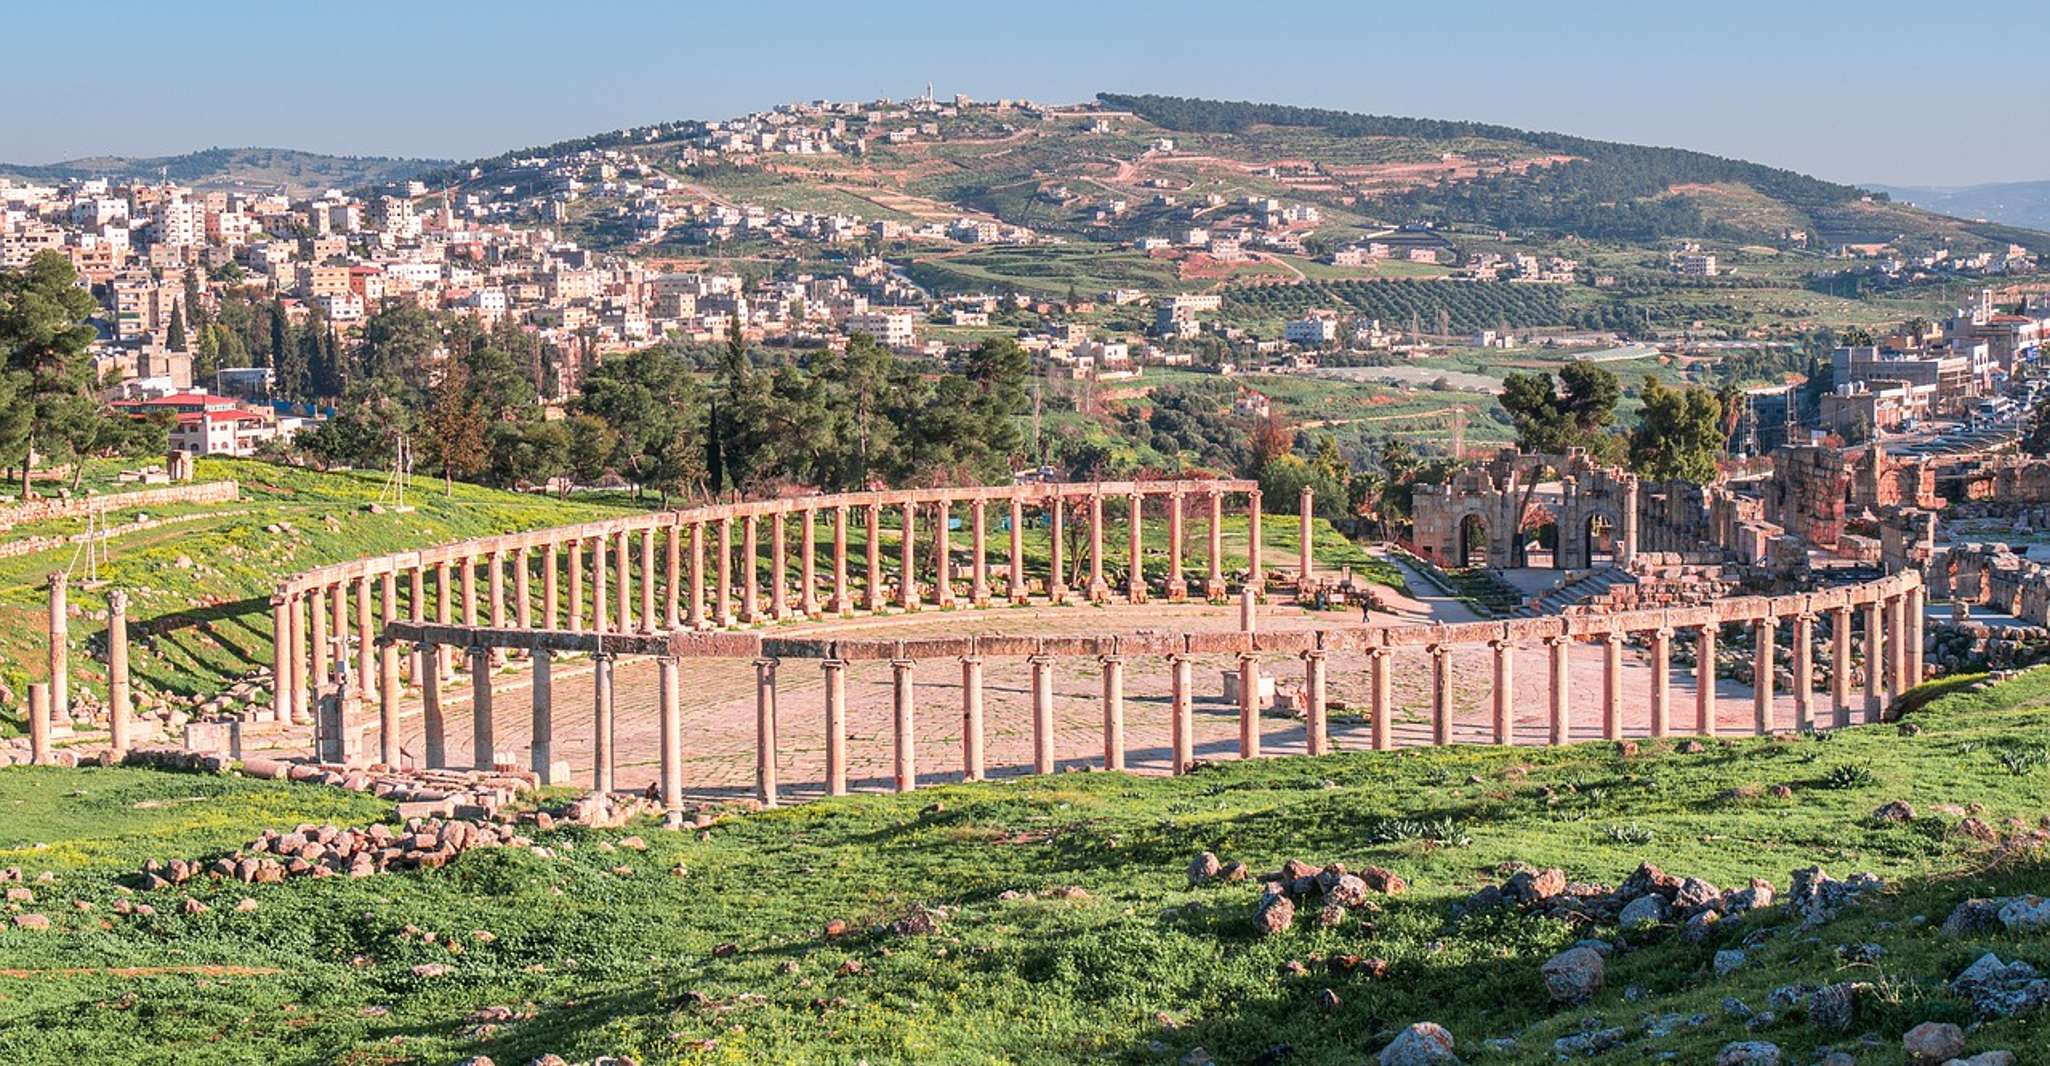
point(767, 662)
point(832, 664)
point(1380, 652)
point(1111, 660)
point(1613, 636)
point(1559, 640)
point(1311, 654)
point(971, 660)
point(1663, 633)
point(1502, 644)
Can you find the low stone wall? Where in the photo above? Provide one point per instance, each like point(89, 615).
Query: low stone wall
point(78, 506)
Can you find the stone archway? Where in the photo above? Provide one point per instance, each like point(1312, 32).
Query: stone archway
point(1601, 536)
point(1537, 539)
point(1474, 543)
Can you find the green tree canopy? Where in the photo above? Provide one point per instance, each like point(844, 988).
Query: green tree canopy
point(1679, 433)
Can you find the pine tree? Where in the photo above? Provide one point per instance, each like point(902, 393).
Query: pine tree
point(280, 338)
point(455, 427)
point(44, 337)
point(174, 336)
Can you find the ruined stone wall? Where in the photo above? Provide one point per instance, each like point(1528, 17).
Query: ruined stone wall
point(1495, 492)
point(78, 506)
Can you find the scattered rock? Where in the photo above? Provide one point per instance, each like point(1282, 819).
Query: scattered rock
point(1422, 1044)
point(1933, 1042)
point(1274, 914)
point(2026, 914)
point(1834, 1007)
point(1574, 975)
point(1895, 811)
point(1644, 912)
point(1972, 917)
point(31, 921)
point(1748, 1053)
point(1204, 867)
point(1729, 960)
point(2001, 989)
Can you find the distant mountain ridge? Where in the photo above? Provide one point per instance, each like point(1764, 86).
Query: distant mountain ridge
point(2017, 203)
point(297, 172)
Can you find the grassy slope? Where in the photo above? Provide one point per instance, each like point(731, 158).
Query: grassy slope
point(605, 959)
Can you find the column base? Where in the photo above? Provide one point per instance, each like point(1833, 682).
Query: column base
point(1177, 592)
point(1099, 593)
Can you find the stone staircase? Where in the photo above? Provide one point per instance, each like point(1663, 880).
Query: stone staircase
point(1577, 591)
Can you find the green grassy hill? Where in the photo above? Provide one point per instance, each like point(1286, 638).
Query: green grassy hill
point(1064, 928)
point(297, 173)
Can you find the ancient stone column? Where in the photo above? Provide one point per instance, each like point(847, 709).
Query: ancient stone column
point(672, 578)
point(1098, 590)
point(388, 702)
point(1249, 706)
point(60, 648)
point(907, 571)
point(1177, 587)
point(1911, 634)
point(807, 572)
point(648, 622)
point(280, 658)
point(576, 586)
point(1840, 666)
point(295, 658)
point(601, 747)
point(722, 575)
point(1874, 662)
point(1042, 713)
point(907, 750)
point(483, 735)
point(1256, 571)
point(469, 590)
point(671, 709)
point(119, 703)
point(1317, 731)
point(1214, 583)
point(1503, 697)
point(523, 590)
point(551, 589)
point(1182, 709)
point(1113, 712)
point(843, 603)
point(1804, 672)
point(496, 562)
point(779, 560)
point(316, 616)
point(433, 723)
point(874, 593)
point(1661, 682)
point(978, 540)
point(601, 587)
point(1704, 680)
point(1612, 685)
point(1019, 591)
point(696, 596)
point(1057, 581)
point(1561, 649)
point(623, 576)
point(39, 722)
point(1381, 706)
point(416, 610)
point(835, 670)
point(1304, 536)
point(1441, 694)
point(765, 730)
point(388, 611)
point(942, 554)
point(1896, 647)
point(1763, 636)
point(541, 749)
point(366, 640)
point(1135, 551)
point(971, 718)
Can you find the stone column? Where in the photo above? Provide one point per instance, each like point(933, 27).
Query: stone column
point(1661, 682)
point(576, 585)
point(316, 617)
point(39, 722)
point(433, 722)
point(942, 554)
point(1911, 634)
point(295, 658)
point(388, 608)
point(670, 701)
point(1804, 672)
point(1113, 712)
point(496, 562)
point(907, 750)
point(765, 730)
point(523, 591)
point(1019, 591)
point(366, 640)
point(971, 717)
point(1612, 685)
point(1704, 680)
point(541, 749)
point(1256, 571)
point(470, 590)
point(1181, 703)
point(672, 578)
point(1304, 567)
point(601, 614)
point(483, 738)
point(1441, 694)
point(779, 561)
point(60, 649)
point(1135, 551)
point(1057, 582)
point(339, 605)
point(388, 702)
point(808, 570)
point(623, 577)
point(1763, 636)
point(601, 718)
point(280, 657)
point(1249, 706)
point(978, 573)
point(1098, 590)
point(119, 703)
point(722, 576)
point(416, 610)
point(1875, 702)
point(1503, 701)
point(1896, 647)
point(842, 602)
point(1840, 666)
point(874, 593)
point(1177, 588)
point(648, 622)
point(1042, 714)
point(907, 581)
point(695, 598)
point(1318, 733)
point(1213, 588)
point(1381, 706)
point(1561, 649)
point(835, 670)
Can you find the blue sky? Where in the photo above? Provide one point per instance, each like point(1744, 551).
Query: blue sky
point(1878, 91)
